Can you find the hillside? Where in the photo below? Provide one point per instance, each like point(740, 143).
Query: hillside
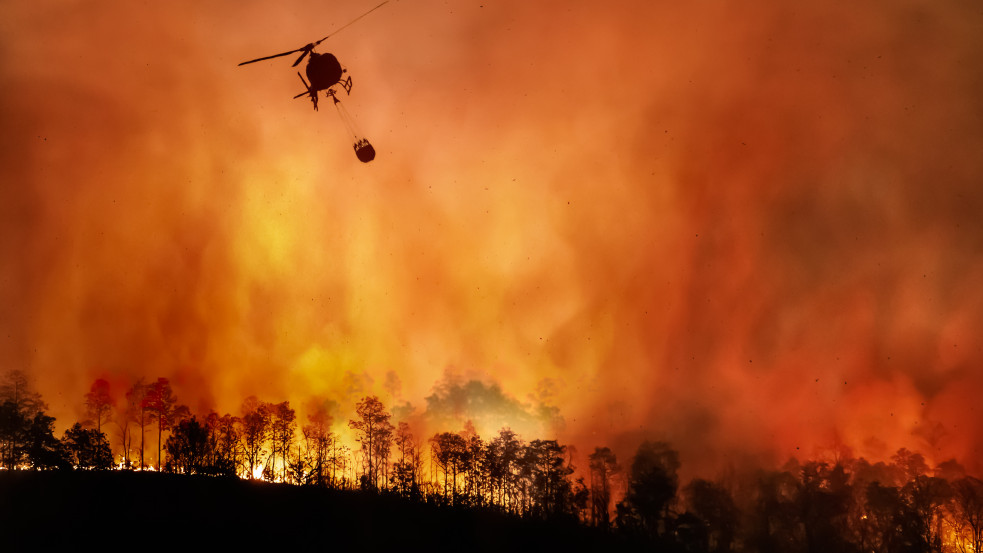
point(58, 509)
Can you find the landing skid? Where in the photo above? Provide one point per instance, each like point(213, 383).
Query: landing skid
point(346, 84)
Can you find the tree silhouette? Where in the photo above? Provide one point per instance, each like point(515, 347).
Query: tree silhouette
point(406, 470)
point(603, 464)
point(317, 439)
point(502, 460)
point(26, 432)
point(713, 504)
point(968, 513)
point(580, 500)
point(273, 438)
point(19, 407)
point(127, 415)
point(652, 484)
point(449, 451)
point(824, 499)
point(188, 447)
point(224, 439)
point(136, 396)
point(550, 488)
point(88, 448)
point(920, 499)
point(99, 403)
point(44, 451)
point(281, 427)
point(774, 521)
point(16, 387)
point(13, 432)
point(474, 464)
point(159, 403)
point(375, 434)
point(255, 428)
point(887, 513)
point(925, 496)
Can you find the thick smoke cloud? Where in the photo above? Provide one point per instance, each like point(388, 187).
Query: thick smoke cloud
point(750, 229)
point(488, 408)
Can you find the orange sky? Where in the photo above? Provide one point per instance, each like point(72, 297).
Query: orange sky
point(745, 228)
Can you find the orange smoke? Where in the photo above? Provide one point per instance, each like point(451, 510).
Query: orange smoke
point(749, 230)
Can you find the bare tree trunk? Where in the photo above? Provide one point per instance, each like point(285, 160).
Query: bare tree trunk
point(143, 432)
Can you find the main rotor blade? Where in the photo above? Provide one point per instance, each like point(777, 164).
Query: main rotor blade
point(338, 30)
point(275, 56)
point(307, 49)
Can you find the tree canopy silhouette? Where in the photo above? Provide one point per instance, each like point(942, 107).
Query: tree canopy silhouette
point(375, 435)
point(88, 448)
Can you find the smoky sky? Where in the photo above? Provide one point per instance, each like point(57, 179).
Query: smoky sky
point(749, 229)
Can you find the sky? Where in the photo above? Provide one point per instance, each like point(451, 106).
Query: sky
point(750, 229)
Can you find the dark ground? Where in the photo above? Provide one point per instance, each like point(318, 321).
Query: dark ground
point(104, 511)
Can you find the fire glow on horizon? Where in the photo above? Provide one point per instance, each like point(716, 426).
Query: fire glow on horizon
point(741, 228)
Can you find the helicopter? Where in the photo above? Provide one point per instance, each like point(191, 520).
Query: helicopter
point(324, 72)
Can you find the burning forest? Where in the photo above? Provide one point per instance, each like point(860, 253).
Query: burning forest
point(738, 246)
point(836, 502)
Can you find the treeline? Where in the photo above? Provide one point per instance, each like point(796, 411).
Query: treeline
point(841, 504)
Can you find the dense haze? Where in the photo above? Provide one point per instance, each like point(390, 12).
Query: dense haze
point(752, 229)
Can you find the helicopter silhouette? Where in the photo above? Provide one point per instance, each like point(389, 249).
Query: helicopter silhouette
point(324, 72)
